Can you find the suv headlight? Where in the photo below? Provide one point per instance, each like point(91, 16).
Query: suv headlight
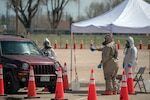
point(57, 66)
point(25, 66)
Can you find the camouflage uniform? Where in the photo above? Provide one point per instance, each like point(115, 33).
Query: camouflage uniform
point(110, 65)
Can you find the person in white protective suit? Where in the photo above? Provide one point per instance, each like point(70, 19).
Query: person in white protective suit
point(48, 50)
point(130, 55)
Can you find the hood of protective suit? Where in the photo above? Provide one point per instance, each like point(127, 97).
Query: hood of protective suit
point(47, 41)
point(131, 41)
point(108, 39)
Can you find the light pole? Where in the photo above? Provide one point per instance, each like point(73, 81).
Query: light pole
point(78, 10)
point(7, 14)
point(16, 16)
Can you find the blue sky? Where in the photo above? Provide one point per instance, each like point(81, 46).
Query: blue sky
point(71, 8)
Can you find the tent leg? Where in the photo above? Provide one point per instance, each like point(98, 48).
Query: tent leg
point(71, 60)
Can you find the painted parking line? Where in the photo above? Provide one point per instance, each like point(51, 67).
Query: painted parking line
point(83, 98)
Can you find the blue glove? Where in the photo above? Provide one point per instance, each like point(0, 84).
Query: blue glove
point(129, 64)
point(123, 65)
point(99, 66)
point(92, 48)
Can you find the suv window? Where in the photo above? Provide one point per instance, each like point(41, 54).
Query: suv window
point(19, 48)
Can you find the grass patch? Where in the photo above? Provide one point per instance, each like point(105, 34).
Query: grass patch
point(97, 39)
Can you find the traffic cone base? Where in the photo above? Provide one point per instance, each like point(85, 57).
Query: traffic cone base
point(59, 99)
point(3, 94)
point(31, 97)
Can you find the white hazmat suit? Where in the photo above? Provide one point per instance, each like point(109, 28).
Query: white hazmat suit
point(130, 55)
point(48, 50)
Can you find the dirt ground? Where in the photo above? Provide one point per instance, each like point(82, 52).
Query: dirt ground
point(85, 61)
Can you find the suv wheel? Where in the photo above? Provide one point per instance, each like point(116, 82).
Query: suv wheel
point(11, 86)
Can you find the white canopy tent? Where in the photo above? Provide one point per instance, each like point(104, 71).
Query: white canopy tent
point(131, 16)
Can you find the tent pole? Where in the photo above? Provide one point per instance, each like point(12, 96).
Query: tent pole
point(71, 59)
point(149, 64)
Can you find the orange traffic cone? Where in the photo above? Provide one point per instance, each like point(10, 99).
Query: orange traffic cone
point(124, 88)
point(81, 45)
point(65, 82)
point(91, 44)
point(74, 45)
point(148, 45)
point(59, 94)
point(92, 95)
point(118, 45)
point(55, 45)
point(29, 35)
point(31, 85)
point(130, 81)
point(1, 82)
point(66, 44)
point(140, 46)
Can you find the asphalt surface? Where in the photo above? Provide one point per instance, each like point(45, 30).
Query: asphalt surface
point(85, 61)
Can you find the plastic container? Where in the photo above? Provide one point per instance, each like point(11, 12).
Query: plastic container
point(75, 85)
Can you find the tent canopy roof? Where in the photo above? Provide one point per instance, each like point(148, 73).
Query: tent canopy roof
point(131, 16)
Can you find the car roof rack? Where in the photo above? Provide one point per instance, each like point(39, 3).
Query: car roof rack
point(14, 35)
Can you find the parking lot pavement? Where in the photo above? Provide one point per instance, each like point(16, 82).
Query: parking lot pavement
point(85, 61)
point(81, 94)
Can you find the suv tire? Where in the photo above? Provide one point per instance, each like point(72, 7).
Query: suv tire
point(10, 85)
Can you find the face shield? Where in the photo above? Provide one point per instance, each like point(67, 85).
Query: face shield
point(47, 44)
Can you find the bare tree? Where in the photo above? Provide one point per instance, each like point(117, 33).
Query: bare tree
point(148, 1)
point(54, 11)
point(95, 9)
point(26, 11)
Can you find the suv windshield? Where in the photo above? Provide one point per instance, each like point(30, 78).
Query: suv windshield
point(19, 48)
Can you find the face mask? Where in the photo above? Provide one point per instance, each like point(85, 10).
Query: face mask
point(127, 44)
point(47, 47)
point(104, 43)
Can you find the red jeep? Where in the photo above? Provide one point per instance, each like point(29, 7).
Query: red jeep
point(16, 55)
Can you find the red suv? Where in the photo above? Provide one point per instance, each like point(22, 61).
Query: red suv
point(16, 55)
